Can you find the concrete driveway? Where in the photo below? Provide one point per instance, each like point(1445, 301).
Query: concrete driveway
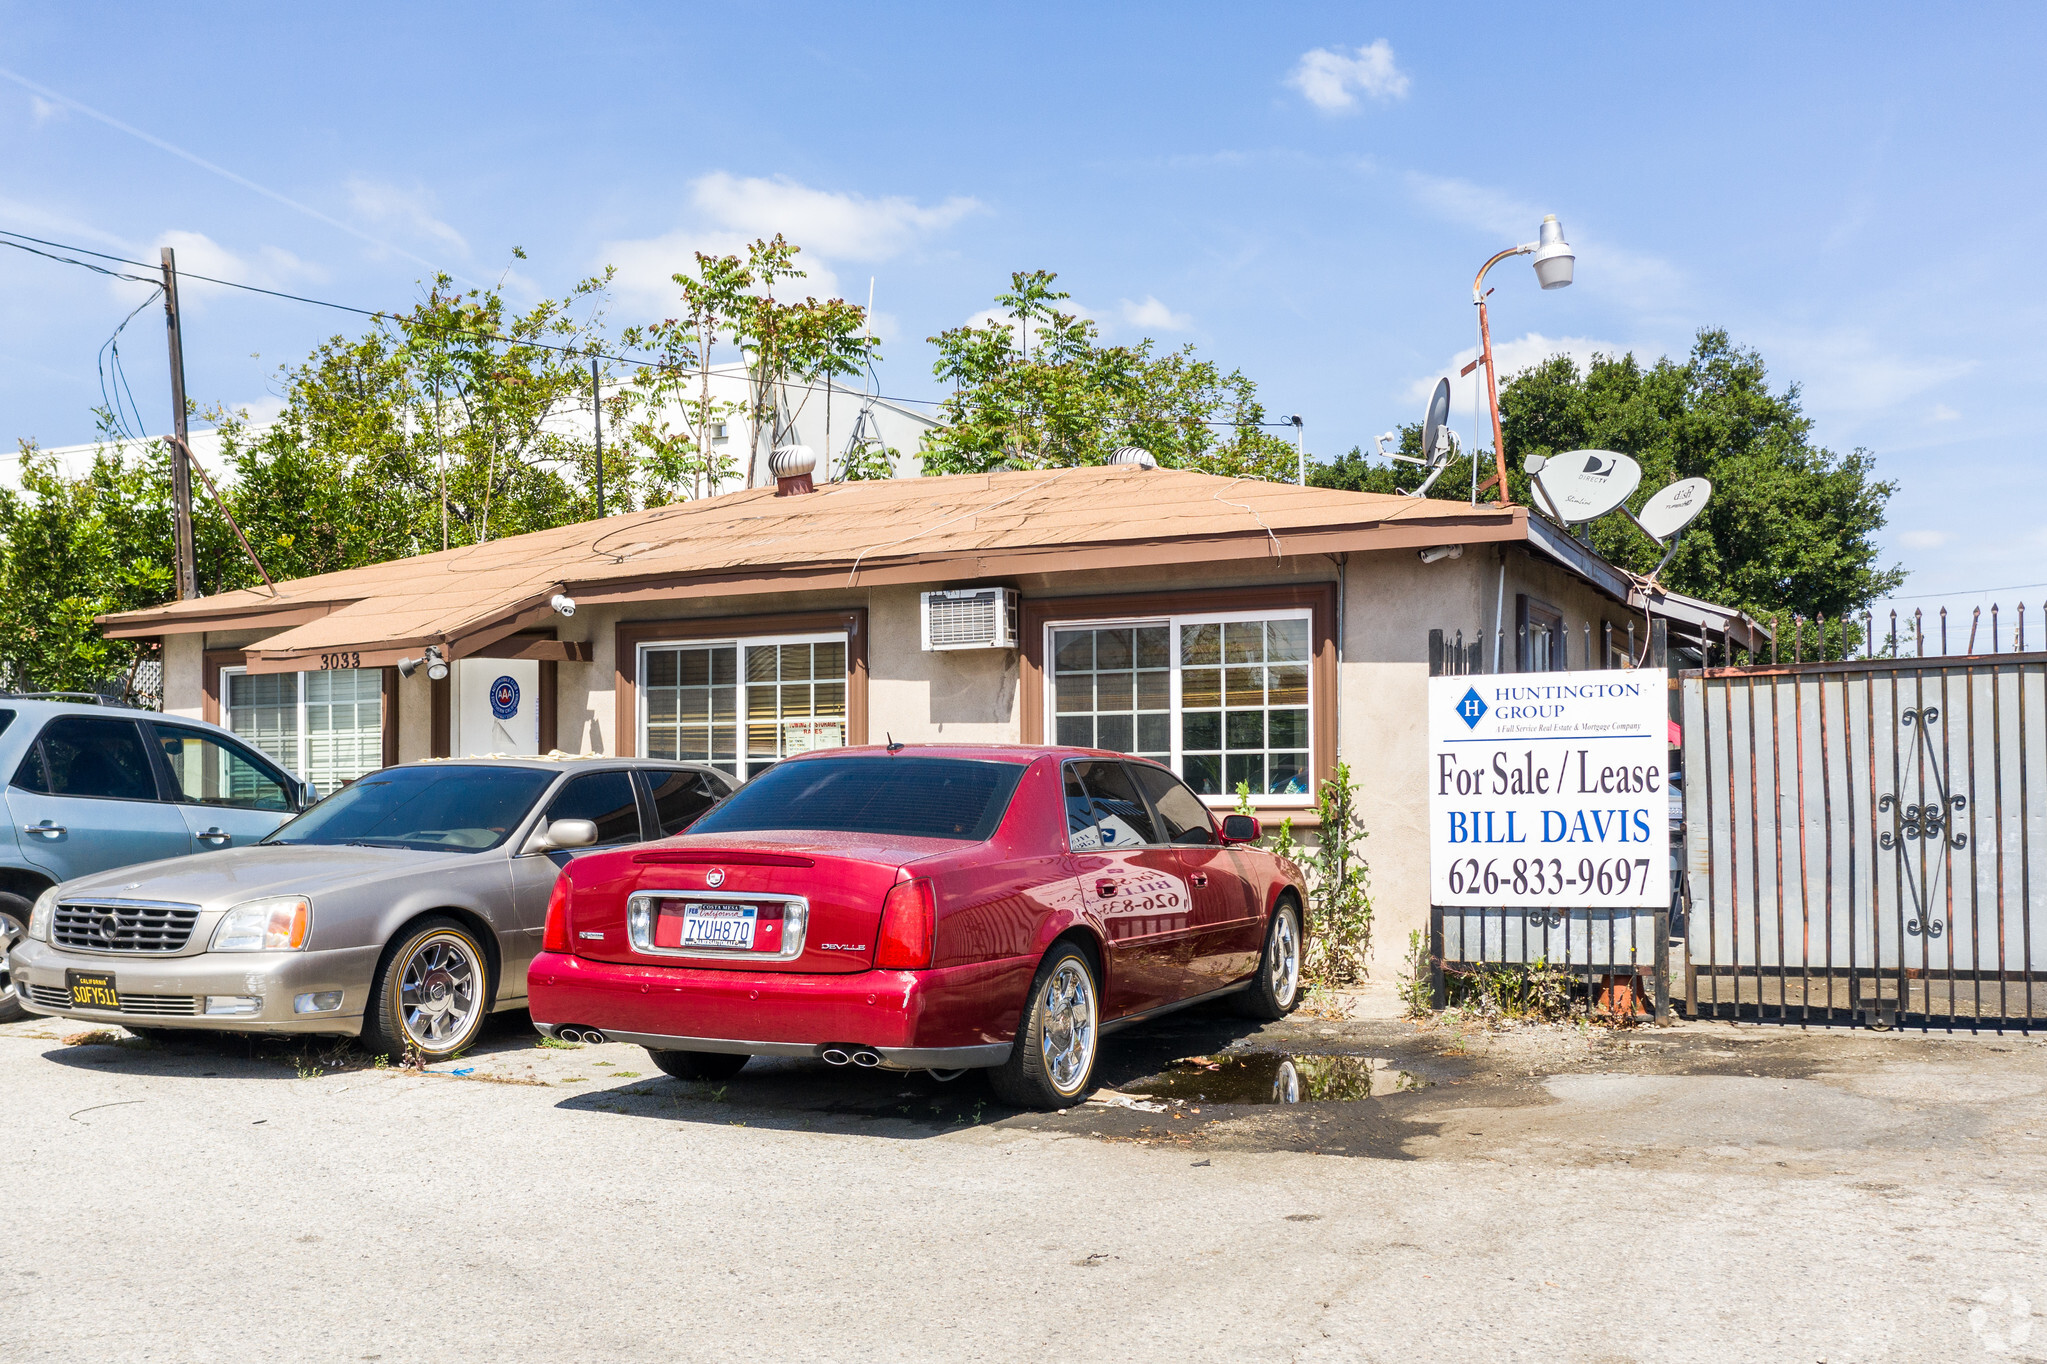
point(1703, 1192)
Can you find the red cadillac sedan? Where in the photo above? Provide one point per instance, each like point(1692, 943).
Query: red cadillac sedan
point(923, 908)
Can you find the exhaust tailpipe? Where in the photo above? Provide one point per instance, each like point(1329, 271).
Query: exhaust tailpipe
point(592, 1038)
point(866, 1057)
point(568, 1034)
point(834, 1056)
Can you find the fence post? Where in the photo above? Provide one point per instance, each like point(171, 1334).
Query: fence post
point(1439, 990)
point(1436, 653)
point(1661, 993)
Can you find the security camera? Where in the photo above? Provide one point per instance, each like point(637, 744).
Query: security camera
point(1437, 553)
point(563, 604)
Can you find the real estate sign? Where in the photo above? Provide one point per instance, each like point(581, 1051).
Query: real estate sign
point(1550, 789)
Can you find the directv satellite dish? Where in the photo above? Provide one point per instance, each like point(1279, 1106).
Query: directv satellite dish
point(1674, 508)
point(1583, 485)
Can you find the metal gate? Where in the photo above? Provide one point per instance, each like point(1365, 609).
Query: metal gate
point(1859, 841)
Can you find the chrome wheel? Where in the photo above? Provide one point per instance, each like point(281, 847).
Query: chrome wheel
point(1285, 957)
point(1066, 1027)
point(440, 991)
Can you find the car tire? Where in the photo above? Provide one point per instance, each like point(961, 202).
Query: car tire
point(431, 995)
point(699, 1065)
point(14, 911)
point(1276, 989)
point(1058, 1038)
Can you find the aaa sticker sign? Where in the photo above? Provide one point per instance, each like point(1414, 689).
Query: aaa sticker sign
point(1550, 789)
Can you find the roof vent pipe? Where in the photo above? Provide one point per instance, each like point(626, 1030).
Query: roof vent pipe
point(792, 465)
point(1134, 454)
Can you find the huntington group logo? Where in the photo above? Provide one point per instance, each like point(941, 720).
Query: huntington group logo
point(1471, 708)
point(504, 698)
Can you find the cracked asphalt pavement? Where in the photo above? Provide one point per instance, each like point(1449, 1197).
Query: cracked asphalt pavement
point(1700, 1192)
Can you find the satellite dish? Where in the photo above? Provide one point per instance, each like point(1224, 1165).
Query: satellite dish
point(1583, 485)
point(1433, 422)
point(1674, 508)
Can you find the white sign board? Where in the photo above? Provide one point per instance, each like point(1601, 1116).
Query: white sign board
point(1550, 789)
point(497, 707)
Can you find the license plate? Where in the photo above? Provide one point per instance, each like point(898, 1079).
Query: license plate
point(718, 926)
point(92, 990)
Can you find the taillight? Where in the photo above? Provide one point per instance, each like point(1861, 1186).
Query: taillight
point(906, 926)
point(555, 938)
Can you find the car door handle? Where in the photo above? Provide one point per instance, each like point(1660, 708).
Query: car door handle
point(1200, 878)
point(1106, 888)
point(215, 835)
point(48, 828)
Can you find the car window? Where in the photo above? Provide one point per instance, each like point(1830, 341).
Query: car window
point(907, 797)
point(432, 807)
point(6, 719)
point(680, 798)
point(83, 755)
point(606, 799)
point(1179, 809)
point(206, 770)
point(1111, 815)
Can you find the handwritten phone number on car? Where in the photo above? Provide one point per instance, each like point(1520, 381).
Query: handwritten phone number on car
point(1547, 876)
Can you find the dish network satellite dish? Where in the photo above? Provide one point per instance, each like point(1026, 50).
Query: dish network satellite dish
point(1439, 442)
point(1674, 508)
point(1584, 485)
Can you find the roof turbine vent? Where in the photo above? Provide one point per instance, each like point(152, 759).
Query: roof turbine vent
point(1134, 454)
point(792, 465)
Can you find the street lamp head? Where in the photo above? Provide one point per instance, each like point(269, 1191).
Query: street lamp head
point(1553, 258)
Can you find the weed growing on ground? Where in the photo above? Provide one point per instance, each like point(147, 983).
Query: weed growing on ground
point(98, 1037)
point(557, 1044)
point(309, 1072)
point(1417, 993)
point(625, 1075)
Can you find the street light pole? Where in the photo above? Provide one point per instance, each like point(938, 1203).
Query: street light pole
point(1300, 452)
point(1553, 262)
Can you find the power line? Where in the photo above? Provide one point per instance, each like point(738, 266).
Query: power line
point(582, 352)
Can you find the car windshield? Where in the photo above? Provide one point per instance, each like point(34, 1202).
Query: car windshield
point(905, 797)
point(434, 809)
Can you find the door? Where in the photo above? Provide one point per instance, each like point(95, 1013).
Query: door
point(1227, 932)
point(85, 799)
point(1134, 883)
point(227, 796)
point(606, 799)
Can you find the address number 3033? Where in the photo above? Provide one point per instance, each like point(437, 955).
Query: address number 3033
point(337, 662)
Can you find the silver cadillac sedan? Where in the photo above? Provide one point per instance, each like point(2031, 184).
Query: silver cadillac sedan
point(403, 908)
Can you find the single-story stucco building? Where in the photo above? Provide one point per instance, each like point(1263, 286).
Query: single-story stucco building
point(1239, 630)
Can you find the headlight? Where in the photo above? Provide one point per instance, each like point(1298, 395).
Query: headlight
point(39, 917)
point(280, 923)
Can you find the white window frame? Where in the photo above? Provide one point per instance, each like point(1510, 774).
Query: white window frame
point(303, 731)
point(742, 643)
point(1175, 668)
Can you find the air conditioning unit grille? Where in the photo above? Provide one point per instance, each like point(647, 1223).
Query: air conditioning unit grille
point(975, 618)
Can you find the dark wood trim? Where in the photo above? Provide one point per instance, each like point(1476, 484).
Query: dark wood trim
point(550, 702)
point(390, 713)
point(629, 635)
point(440, 737)
point(548, 650)
point(1318, 597)
point(211, 702)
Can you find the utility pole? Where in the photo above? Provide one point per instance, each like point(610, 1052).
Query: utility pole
point(1300, 451)
point(187, 568)
point(597, 417)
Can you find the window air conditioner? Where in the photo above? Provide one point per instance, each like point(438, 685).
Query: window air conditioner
point(970, 618)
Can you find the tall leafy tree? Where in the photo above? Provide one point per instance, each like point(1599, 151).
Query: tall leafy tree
point(1791, 529)
point(1036, 389)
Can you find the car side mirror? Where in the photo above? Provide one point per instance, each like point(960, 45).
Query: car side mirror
point(561, 834)
point(1242, 829)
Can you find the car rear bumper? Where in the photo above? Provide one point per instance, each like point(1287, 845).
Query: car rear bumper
point(171, 992)
point(952, 1018)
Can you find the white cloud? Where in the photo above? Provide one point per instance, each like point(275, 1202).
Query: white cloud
point(729, 211)
point(43, 223)
point(1510, 357)
point(267, 267)
point(43, 110)
point(1849, 372)
point(1155, 316)
point(1327, 76)
point(1475, 206)
point(408, 210)
point(1923, 539)
point(1943, 413)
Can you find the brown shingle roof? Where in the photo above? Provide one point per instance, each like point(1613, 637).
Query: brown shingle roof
point(845, 534)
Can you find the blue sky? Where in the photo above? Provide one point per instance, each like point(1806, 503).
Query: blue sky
point(1303, 192)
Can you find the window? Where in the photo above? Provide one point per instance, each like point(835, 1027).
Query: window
point(1543, 642)
point(1103, 809)
point(1222, 700)
point(905, 797)
point(326, 726)
point(205, 771)
point(743, 705)
point(85, 756)
point(606, 799)
point(434, 807)
point(1180, 810)
point(681, 797)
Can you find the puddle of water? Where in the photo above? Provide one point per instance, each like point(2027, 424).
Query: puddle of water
point(1275, 1078)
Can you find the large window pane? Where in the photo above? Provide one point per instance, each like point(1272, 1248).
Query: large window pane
point(344, 726)
point(689, 689)
point(1112, 688)
point(792, 693)
point(263, 712)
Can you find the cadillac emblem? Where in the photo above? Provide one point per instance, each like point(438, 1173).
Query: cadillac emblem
point(715, 877)
point(110, 928)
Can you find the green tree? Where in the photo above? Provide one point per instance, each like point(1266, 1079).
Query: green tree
point(1791, 528)
point(1038, 390)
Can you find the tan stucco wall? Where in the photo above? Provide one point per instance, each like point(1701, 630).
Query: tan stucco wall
point(183, 686)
